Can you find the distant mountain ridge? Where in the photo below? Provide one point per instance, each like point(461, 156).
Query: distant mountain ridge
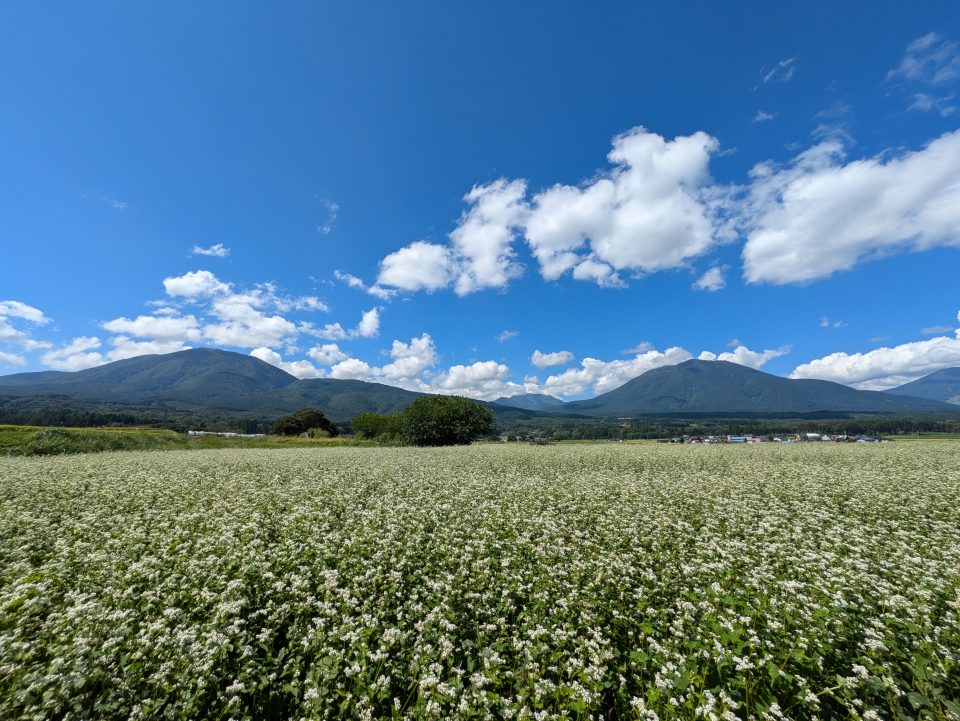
point(532, 402)
point(703, 387)
point(942, 385)
point(205, 380)
point(200, 376)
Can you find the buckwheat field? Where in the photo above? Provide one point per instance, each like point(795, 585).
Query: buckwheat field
point(501, 582)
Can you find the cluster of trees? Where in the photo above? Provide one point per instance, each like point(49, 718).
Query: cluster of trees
point(428, 421)
point(559, 429)
point(306, 420)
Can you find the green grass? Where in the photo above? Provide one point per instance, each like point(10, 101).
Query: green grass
point(40, 441)
point(46, 441)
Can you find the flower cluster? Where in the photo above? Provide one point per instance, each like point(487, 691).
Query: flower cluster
point(489, 582)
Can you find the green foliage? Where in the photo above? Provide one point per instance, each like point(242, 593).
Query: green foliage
point(429, 421)
point(303, 421)
point(378, 425)
point(445, 421)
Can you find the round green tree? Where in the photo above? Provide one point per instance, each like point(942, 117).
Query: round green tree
point(445, 421)
point(302, 421)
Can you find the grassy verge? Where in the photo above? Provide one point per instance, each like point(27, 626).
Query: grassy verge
point(46, 441)
point(39, 441)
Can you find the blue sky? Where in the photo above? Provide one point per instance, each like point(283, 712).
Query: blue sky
point(483, 198)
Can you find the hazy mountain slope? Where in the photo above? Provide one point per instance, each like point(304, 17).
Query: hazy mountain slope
point(942, 385)
point(532, 402)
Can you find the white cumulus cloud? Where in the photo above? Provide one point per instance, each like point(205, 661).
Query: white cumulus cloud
point(546, 360)
point(648, 214)
point(482, 240)
point(820, 214)
point(126, 347)
point(655, 209)
point(885, 367)
point(80, 353)
point(243, 322)
point(484, 379)
point(409, 360)
point(299, 369)
point(16, 309)
point(601, 376)
point(165, 327)
point(746, 357)
point(351, 368)
point(418, 266)
point(194, 284)
point(369, 325)
point(327, 354)
point(712, 280)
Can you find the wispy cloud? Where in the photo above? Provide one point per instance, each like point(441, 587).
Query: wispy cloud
point(942, 104)
point(506, 335)
point(329, 223)
point(931, 62)
point(357, 283)
point(781, 72)
point(763, 116)
point(931, 59)
point(214, 251)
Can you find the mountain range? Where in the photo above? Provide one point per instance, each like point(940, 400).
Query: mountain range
point(204, 380)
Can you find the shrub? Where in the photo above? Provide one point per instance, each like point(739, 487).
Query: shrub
point(376, 425)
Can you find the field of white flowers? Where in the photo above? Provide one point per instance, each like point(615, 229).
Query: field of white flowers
point(575, 582)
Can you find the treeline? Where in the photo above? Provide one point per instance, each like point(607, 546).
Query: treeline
point(647, 428)
point(74, 413)
point(51, 410)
